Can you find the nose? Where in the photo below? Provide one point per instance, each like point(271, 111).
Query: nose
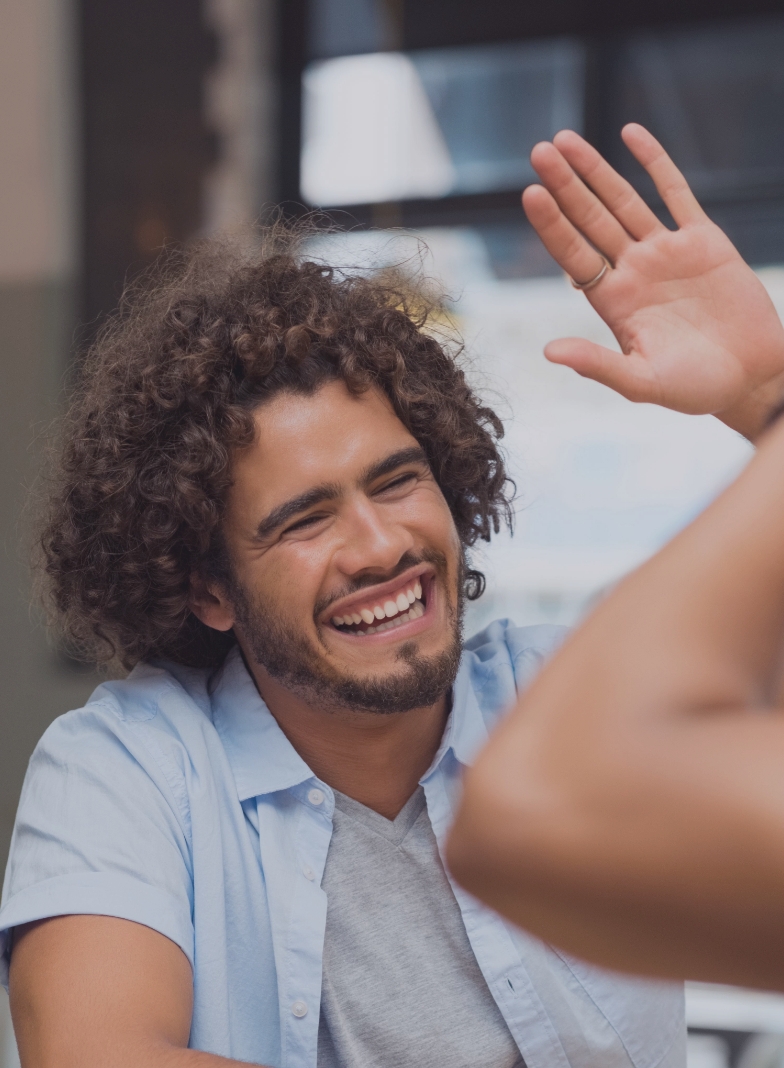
point(372, 539)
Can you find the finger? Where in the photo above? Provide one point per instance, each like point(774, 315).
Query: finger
point(619, 195)
point(565, 244)
point(670, 183)
point(577, 202)
point(630, 375)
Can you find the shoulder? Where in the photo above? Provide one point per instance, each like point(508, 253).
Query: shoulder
point(148, 721)
point(504, 658)
point(521, 645)
point(155, 691)
point(150, 695)
point(105, 819)
point(119, 770)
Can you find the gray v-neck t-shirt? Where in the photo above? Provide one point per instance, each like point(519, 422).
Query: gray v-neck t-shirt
point(401, 987)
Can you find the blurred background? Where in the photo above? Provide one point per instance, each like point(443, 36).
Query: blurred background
point(133, 124)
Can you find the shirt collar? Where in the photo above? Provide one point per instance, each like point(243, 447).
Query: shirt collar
point(465, 732)
point(263, 760)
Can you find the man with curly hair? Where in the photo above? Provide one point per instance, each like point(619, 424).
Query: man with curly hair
point(272, 476)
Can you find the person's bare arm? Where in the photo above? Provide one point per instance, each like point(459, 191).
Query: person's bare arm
point(99, 992)
point(631, 808)
point(697, 330)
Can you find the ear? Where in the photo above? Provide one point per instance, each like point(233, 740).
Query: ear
point(209, 603)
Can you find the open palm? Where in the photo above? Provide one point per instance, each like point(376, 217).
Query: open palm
point(697, 330)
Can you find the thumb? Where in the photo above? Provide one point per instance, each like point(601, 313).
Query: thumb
point(628, 374)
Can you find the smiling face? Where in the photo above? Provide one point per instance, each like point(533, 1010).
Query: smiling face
point(346, 568)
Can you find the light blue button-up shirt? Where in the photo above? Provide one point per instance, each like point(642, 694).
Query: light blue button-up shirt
point(177, 802)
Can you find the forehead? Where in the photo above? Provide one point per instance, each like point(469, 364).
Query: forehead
point(302, 441)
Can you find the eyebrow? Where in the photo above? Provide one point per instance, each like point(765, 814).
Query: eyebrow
point(330, 491)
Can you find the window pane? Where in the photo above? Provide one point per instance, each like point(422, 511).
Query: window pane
point(393, 126)
point(715, 98)
point(346, 27)
point(493, 105)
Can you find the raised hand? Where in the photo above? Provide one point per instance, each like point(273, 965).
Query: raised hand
point(697, 330)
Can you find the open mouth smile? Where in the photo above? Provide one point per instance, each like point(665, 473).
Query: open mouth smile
point(405, 603)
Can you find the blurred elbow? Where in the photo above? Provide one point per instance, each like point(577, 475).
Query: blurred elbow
point(465, 851)
point(493, 839)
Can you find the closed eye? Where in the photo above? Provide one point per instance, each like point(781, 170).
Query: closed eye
point(304, 523)
point(398, 482)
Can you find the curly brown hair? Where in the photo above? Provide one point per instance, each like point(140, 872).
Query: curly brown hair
point(166, 396)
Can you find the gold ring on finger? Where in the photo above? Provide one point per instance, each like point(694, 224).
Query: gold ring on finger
point(592, 281)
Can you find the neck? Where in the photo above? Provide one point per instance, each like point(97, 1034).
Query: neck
point(376, 759)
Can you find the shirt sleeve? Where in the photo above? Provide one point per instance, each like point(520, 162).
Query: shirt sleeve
point(101, 829)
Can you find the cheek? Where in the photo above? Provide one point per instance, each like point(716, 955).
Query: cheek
point(294, 579)
point(437, 525)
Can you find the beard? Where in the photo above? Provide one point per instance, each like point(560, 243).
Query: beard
point(286, 654)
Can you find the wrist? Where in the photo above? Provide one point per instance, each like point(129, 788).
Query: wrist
point(752, 416)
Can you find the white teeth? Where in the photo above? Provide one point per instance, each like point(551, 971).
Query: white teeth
point(389, 611)
point(416, 610)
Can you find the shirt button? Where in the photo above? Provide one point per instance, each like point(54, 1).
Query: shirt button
point(315, 796)
point(308, 873)
point(299, 1008)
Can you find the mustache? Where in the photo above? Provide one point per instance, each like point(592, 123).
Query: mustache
point(406, 561)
